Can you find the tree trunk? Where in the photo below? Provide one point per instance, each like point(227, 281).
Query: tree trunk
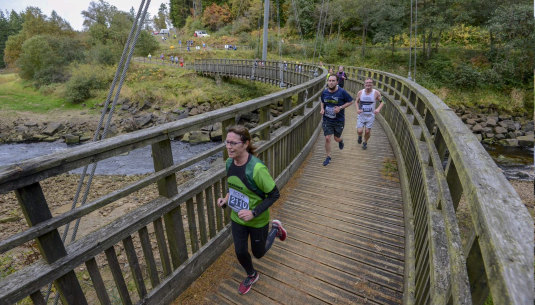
point(429, 39)
point(393, 47)
point(363, 39)
point(338, 37)
point(438, 40)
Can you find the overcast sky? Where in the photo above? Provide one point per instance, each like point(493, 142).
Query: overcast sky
point(71, 10)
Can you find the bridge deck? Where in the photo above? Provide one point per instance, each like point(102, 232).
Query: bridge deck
point(345, 228)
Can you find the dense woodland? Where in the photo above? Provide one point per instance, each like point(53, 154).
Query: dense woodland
point(459, 43)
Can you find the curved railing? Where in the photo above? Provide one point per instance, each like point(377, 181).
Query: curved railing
point(183, 250)
point(440, 162)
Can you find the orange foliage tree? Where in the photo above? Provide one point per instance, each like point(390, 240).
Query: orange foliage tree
point(215, 16)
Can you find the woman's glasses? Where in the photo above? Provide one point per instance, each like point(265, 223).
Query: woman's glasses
point(232, 144)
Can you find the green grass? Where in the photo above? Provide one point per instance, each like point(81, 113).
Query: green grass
point(17, 95)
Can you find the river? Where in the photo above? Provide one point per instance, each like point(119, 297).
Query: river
point(516, 163)
point(118, 165)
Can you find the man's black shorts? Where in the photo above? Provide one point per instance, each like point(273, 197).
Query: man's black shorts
point(335, 128)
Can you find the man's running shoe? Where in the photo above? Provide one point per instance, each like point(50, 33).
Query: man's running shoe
point(364, 145)
point(281, 233)
point(341, 144)
point(360, 140)
point(326, 162)
point(245, 286)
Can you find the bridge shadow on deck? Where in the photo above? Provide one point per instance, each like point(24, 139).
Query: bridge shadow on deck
point(345, 228)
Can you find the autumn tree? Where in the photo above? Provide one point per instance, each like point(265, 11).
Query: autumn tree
point(215, 16)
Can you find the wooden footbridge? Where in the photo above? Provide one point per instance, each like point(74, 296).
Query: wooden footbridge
point(356, 236)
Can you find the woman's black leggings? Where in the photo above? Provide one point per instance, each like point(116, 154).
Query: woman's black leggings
point(261, 241)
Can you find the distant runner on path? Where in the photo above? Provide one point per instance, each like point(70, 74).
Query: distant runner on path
point(251, 192)
point(366, 100)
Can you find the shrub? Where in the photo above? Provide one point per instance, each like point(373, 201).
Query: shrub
point(85, 79)
point(466, 76)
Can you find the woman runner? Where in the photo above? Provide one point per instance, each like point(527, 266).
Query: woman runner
point(251, 192)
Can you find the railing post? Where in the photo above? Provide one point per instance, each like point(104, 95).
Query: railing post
point(162, 157)
point(287, 106)
point(265, 134)
point(35, 209)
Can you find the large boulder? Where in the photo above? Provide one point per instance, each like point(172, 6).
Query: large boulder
point(194, 111)
point(196, 137)
point(143, 120)
point(509, 142)
point(500, 130)
point(491, 122)
point(71, 139)
point(144, 105)
point(52, 128)
point(525, 141)
point(477, 128)
point(471, 122)
point(216, 135)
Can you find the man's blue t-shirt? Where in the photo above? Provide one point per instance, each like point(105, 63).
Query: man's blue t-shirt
point(332, 99)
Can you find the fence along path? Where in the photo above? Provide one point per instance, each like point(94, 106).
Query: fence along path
point(345, 228)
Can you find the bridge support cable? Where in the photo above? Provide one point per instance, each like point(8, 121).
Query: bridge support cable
point(136, 27)
point(281, 64)
point(415, 38)
point(410, 46)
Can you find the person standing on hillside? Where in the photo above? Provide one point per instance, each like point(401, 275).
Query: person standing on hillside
point(341, 77)
point(334, 100)
point(150, 57)
point(181, 62)
point(251, 191)
point(366, 100)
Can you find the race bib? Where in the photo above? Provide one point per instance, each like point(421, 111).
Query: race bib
point(329, 112)
point(367, 108)
point(237, 200)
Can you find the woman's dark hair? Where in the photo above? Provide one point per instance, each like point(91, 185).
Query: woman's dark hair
point(244, 136)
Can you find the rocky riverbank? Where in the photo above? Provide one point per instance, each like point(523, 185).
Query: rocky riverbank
point(493, 128)
point(79, 128)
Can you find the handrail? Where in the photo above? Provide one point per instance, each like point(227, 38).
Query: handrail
point(193, 245)
point(499, 253)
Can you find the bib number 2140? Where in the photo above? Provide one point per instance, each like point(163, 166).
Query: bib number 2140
point(237, 200)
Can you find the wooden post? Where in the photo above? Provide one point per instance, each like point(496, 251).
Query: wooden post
point(35, 209)
point(287, 106)
point(162, 156)
point(265, 134)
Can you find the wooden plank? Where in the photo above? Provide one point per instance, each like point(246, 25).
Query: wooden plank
point(192, 226)
point(133, 262)
point(225, 191)
point(149, 256)
point(56, 222)
point(210, 211)
point(98, 283)
point(218, 210)
point(353, 283)
point(117, 273)
point(162, 246)
point(199, 198)
point(344, 235)
point(162, 156)
point(37, 298)
point(35, 208)
point(171, 287)
point(346, 262)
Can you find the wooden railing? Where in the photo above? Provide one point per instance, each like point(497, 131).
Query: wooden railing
point(184, 250)
point(440, 162)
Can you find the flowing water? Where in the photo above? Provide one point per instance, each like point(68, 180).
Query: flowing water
point(138, 161)
point(516, 163)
